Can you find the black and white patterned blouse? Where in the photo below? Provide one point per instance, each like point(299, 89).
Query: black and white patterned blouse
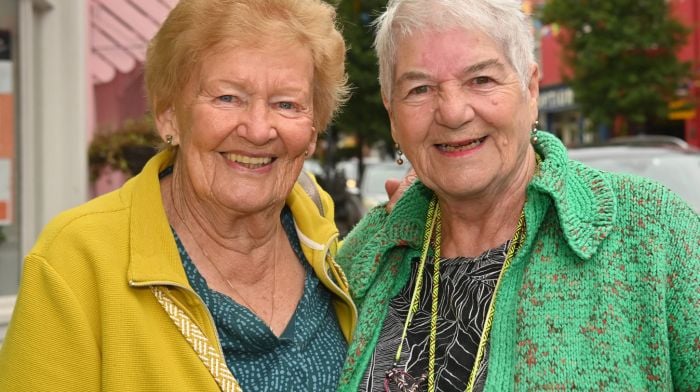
point(466, 289)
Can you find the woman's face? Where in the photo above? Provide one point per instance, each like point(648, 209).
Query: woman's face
point(247, 124)
point(459, 113)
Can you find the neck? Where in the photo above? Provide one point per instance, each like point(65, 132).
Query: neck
point(243, 246)
point(471, 227)
point(239, 255)
point(463, 236)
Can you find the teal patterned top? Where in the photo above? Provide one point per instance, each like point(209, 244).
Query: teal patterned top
point(309, 354)
point(603, 295)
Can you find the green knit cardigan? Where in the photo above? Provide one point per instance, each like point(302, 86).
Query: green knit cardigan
point(603, 295)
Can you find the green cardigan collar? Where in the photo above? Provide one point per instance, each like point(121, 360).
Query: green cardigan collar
point(583, 203)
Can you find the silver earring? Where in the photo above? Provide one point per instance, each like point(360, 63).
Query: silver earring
point(306, 153)
point(169, 140)
point(399, 154)
point(533, 133)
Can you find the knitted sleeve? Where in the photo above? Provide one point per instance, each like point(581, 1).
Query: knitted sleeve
point(683, 296)
point(356, 241)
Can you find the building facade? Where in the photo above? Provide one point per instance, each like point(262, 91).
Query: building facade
point(688, 12)
point(559, 112)
point(68, 69)
point(44, 98)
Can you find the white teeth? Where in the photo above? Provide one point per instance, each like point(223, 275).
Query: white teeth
point(251, 162)
point(450, 147)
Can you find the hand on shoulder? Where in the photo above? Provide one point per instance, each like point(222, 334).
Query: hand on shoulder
point(395, 188)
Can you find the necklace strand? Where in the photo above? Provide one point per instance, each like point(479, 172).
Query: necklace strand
point(221, 275)
point(513, 248)
point(434, 225)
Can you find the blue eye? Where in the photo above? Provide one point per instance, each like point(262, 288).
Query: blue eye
point(286, 105)
point(226, 98)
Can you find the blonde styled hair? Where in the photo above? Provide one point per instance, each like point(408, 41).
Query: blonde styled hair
point(194, 28)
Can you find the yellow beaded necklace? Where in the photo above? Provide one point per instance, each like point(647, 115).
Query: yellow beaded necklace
point(434, 225)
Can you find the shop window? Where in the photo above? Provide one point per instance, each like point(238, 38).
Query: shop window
point(10, 259)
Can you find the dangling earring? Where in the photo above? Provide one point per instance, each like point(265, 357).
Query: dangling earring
point(533, 133)
point(169, 140)
point(399, 154)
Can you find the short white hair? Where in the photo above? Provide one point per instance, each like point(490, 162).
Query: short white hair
point(501, 20)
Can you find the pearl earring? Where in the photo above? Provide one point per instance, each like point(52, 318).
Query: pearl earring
point(399, 154)
point(533, 133)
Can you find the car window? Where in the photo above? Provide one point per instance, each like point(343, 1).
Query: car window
point(679, 172)
point(372, 188)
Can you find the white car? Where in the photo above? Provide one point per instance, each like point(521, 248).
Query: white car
point(676, 167)
point(375, 175)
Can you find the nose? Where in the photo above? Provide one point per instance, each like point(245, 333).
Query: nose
point(256, 124)
point(453, 107)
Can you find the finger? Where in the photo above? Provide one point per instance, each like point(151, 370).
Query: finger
point(391, 185)
point(398, 189)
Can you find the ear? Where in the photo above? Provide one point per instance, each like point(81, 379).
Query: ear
point(533, 90)
point(387, 105)
point(394, 135)
point(166, 122)
point(312, 143)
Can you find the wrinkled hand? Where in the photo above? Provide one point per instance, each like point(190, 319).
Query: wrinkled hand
point(395, 188)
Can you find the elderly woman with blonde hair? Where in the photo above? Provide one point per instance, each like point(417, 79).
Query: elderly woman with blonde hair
point(213, 268)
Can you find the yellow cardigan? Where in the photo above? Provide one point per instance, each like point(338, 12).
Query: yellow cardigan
point(86, 317)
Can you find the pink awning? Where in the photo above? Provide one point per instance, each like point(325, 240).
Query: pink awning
point(119, 34)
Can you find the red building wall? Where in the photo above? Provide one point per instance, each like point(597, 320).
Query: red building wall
point(551, 52)
point(686, 11)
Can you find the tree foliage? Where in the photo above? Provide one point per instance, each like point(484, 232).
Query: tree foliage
point(364, 114)
point(125, 149)
point(622, 55)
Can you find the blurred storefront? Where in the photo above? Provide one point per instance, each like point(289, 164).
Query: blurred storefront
point(560, 115)
point(68, 69)
point(558, 112)
point(44, 116)
point(119, 32)
point(687, 107)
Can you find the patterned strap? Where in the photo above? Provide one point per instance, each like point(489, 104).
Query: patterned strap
point(199, 342)
point(339, 274)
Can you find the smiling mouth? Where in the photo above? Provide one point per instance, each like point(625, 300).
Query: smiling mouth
point(249, 162)
point(461, 147)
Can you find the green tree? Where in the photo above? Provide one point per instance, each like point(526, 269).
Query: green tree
point(364, 115)
point(622, 55)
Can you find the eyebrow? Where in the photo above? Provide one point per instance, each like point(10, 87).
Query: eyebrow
point(411, 76)
point(206, 84)
point(293, 88)
point(478, 67)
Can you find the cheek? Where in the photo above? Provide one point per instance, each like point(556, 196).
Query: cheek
point(411, 123)
point(210, 128)
point(297, 138)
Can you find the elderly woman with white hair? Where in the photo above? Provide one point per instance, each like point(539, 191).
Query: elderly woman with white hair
point(508, 266)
